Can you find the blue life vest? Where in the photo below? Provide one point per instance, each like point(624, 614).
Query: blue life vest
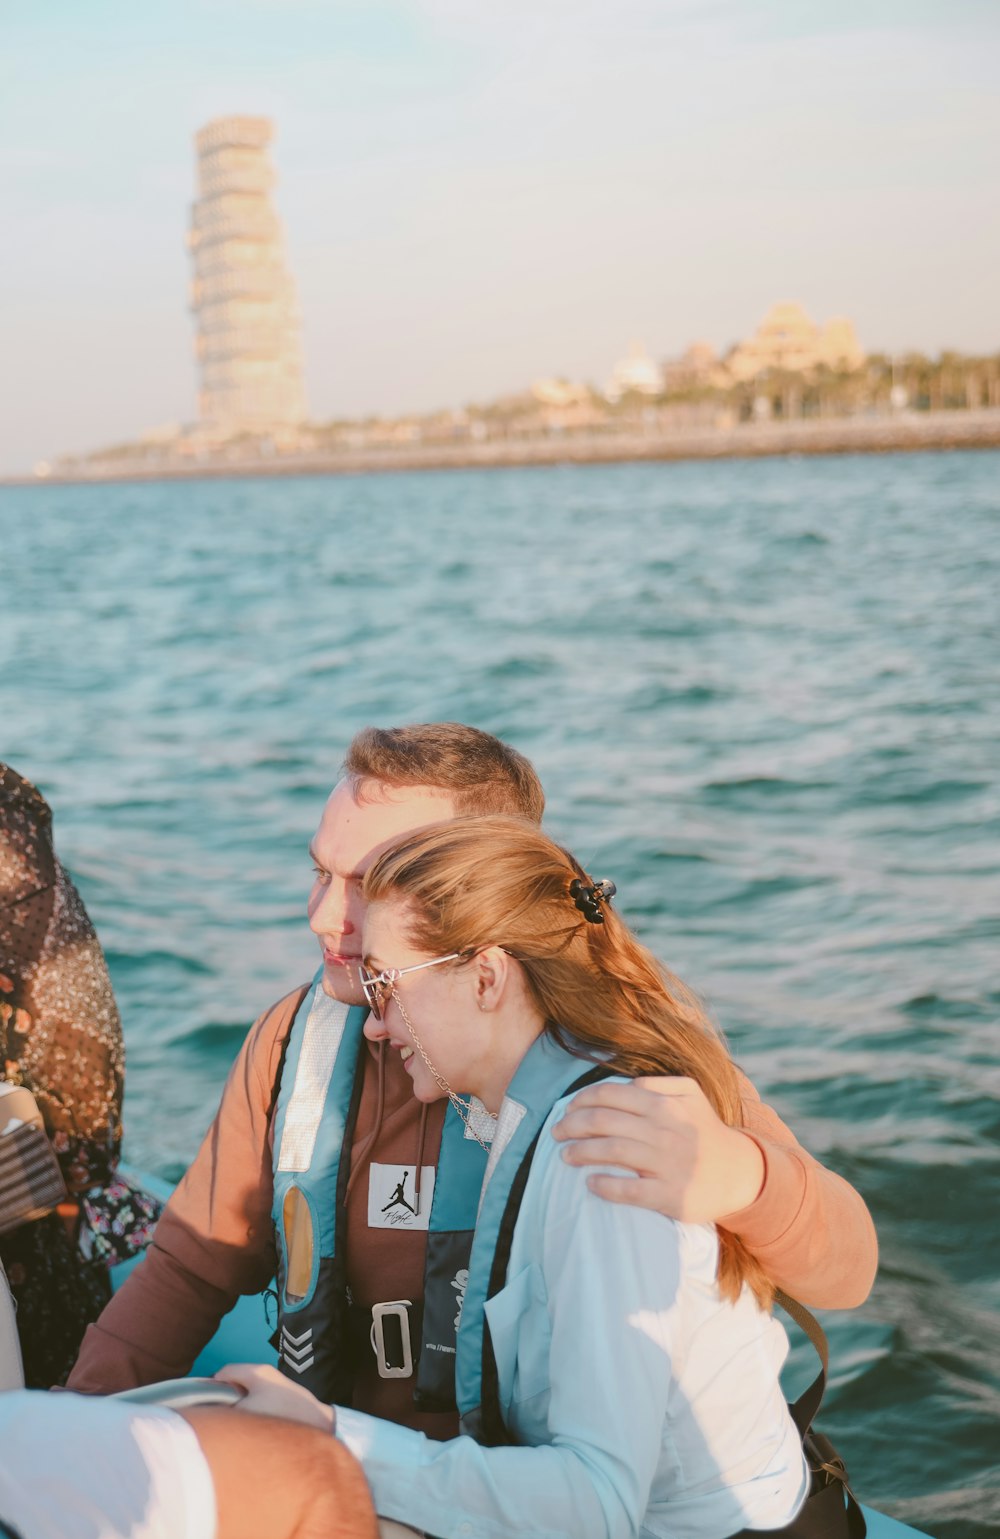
point(545, 1074)
point(315, 1113)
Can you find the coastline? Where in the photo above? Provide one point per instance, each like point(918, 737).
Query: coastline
point(905, 432)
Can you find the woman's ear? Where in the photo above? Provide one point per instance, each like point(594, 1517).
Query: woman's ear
point(493, 972)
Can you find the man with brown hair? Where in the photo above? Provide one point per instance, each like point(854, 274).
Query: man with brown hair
point(317, 1128)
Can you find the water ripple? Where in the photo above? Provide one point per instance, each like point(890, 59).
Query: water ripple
point(764, 697)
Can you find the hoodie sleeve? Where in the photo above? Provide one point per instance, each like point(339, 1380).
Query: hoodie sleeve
point(809, 1228)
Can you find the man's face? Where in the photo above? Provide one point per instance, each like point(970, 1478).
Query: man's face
point(350, 837)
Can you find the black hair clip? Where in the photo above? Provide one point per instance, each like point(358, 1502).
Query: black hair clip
point(588, 898)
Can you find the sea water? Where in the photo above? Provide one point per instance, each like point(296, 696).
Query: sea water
point(764, 698)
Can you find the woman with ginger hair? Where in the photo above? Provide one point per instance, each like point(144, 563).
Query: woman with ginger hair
point(630, 1359)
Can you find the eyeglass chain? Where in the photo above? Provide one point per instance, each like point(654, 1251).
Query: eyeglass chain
point(462, 1107)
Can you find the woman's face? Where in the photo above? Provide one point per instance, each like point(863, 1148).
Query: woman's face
point(438, 1005)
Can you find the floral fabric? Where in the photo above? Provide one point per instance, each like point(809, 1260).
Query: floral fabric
point(118, 1221)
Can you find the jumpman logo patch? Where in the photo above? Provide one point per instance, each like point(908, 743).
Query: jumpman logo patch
point(392, 1197)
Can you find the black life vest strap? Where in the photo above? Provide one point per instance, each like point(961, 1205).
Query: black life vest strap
point(338, 1328)
point(493, 1433)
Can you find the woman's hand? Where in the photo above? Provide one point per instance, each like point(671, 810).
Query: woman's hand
point(690, 1165)
point(269, 1393)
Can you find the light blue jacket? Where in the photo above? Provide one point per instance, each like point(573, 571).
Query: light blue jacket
point(646, 1405)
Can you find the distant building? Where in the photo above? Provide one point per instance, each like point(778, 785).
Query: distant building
point(560, 392)
point(839, 345)
point(248, 344)
point(697, 368)
point(636, 373)
point(787, 339)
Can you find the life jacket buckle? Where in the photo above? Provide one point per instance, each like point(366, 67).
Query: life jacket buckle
point(399, 1309)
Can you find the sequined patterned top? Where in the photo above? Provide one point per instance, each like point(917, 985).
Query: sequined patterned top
point(60, 1037)
point(60, 1031)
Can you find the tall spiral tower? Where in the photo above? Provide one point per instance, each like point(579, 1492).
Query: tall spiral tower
point(248, 344)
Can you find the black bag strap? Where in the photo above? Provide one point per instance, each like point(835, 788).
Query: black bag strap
point(805, 1408)
point(820, 1518)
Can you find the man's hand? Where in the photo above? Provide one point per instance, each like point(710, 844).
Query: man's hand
point(269, 1393)
point(690, 1165)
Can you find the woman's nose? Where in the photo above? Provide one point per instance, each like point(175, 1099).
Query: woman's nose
point(374, 1029)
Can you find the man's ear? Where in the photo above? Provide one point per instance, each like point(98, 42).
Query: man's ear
point(492, 977)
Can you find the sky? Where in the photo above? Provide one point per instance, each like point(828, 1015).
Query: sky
point(476, 195)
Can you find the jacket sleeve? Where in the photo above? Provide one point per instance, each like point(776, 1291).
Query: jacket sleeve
point(808, 1227)
point(213, 1242)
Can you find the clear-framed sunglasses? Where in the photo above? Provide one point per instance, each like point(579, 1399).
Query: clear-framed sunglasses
point(379, 986)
